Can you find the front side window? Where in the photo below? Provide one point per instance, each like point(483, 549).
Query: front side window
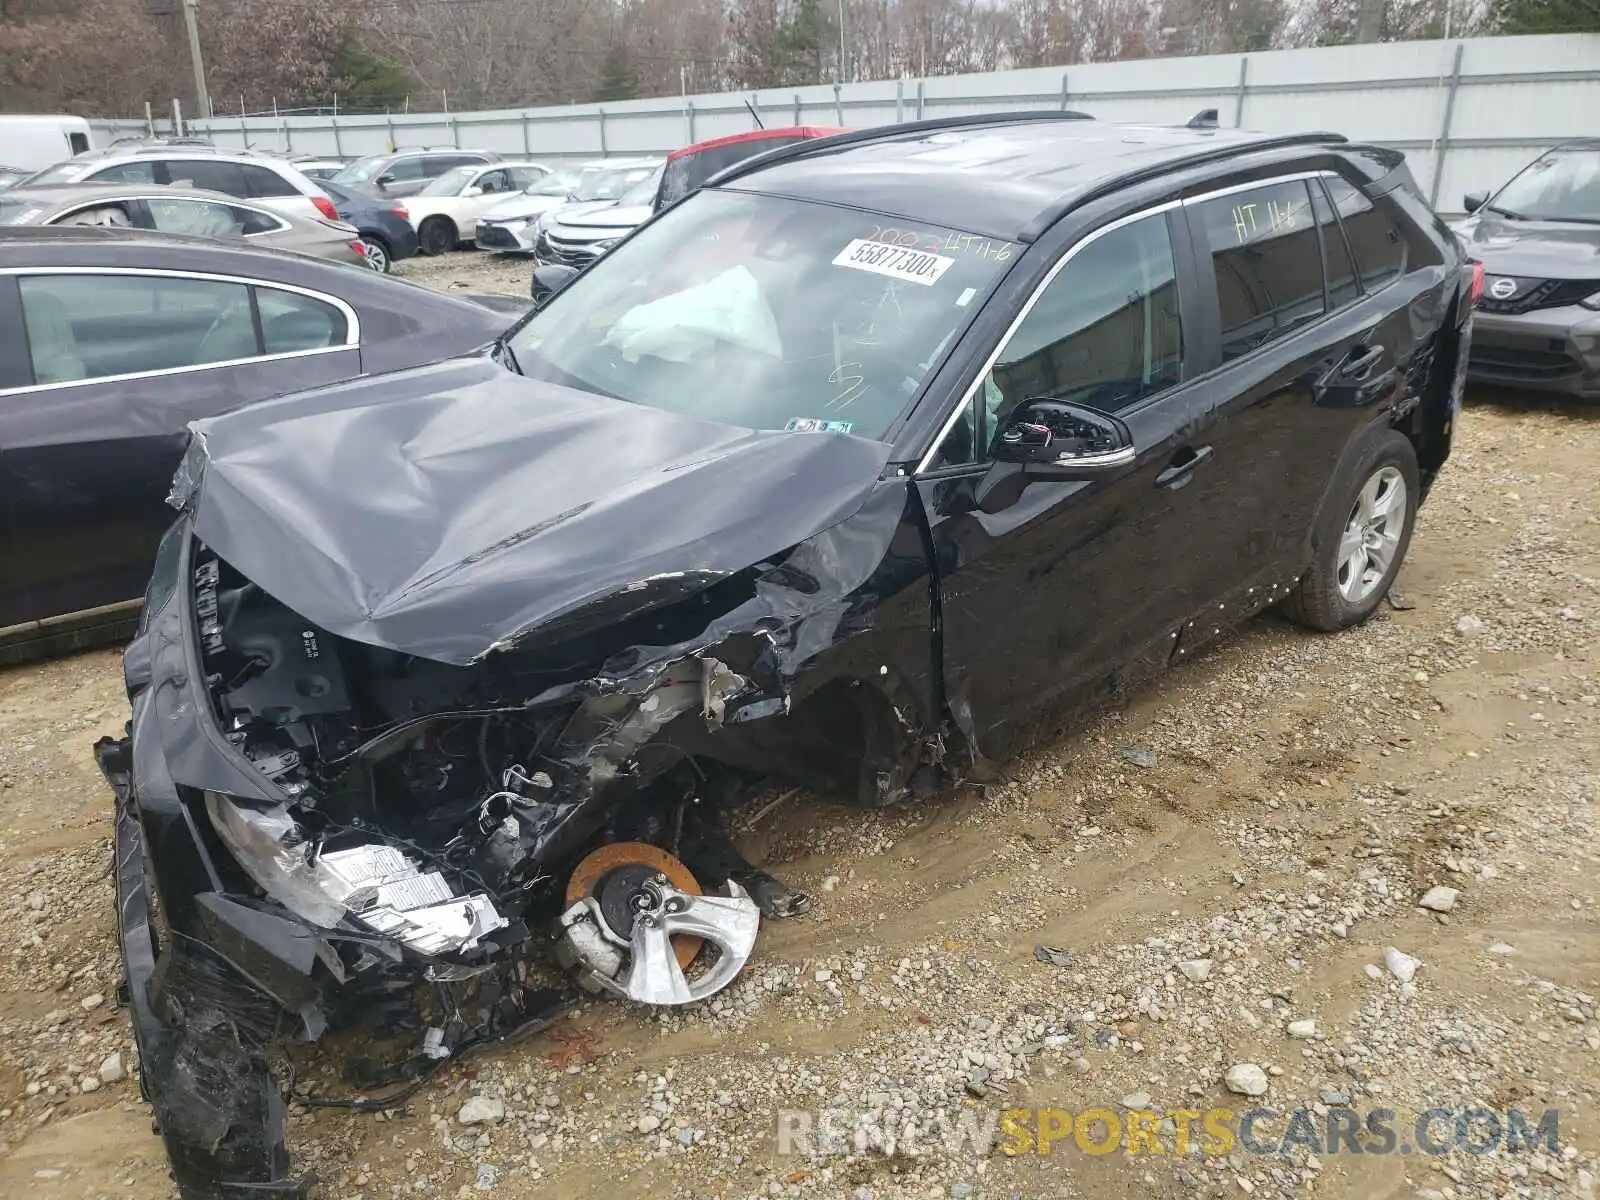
point(1267, 261)
point(767, 313)
point(363, 170)
point(1563, 185)
point(1374, 239)
point(91, 326)
point(493, 181)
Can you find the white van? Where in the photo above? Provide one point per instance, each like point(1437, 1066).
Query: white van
point(36, 142)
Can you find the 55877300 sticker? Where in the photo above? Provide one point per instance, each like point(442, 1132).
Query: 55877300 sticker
point(905, 263)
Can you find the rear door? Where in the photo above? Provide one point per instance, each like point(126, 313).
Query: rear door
point(1300, 357)
point(118, 363)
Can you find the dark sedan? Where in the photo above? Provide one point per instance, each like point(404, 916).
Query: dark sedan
point(386, 233)
point(1538, 237)
point(130, 336)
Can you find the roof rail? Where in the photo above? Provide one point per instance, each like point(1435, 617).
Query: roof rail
point(886, 133)
point(1207, 152)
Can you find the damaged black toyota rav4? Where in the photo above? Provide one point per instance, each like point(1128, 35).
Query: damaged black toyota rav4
point(859, 468)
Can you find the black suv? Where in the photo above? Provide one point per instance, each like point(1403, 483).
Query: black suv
point(861, 465)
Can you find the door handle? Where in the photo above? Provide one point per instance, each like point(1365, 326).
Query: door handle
point(1360, 363)
point(1182, 466)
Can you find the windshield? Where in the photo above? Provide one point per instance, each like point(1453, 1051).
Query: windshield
point(1564, 185)
point(451, 182)
point(561, 184)
point(767, 313)
point(363, 169)
point(608, 183)
point(643, 192)
point(18, 210)
point(62, 172)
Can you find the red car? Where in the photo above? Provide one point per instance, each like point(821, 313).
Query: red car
point(689, 167)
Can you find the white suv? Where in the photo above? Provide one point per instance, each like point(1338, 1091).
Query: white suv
point(270, 181)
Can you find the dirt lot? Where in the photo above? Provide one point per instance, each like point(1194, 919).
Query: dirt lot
point(1146, 904)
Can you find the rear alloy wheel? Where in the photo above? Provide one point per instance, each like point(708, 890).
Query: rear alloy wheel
point(437, 236)
point(377, 254)
point(1361, 535)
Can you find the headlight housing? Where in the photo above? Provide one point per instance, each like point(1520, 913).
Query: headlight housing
point(376, 884)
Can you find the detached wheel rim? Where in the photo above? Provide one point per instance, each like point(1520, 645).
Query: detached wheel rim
point(377, 256)
point(1371, 537)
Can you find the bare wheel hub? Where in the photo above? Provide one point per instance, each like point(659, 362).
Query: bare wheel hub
point(636, 922)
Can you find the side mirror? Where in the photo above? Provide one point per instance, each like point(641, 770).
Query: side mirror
point(469, 192)
point(550, 279)
point(384, 180)
point(1473, 201)
point(1051, 439)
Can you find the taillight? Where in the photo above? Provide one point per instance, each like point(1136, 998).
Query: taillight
point(1477, 281)
point(359, 247)
point(400, 211)
point(325, 207)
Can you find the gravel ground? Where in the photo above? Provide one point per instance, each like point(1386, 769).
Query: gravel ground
point(1223, 875)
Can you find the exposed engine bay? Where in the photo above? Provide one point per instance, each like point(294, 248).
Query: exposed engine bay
point(432, 802)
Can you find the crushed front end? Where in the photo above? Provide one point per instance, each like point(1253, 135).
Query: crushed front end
point(397, 773)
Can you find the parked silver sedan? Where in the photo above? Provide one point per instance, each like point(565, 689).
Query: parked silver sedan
point(180, 210)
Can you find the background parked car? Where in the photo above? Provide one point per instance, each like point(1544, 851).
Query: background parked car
point(387, 235)
point(320, 167)
point(446, 212)
point(406, 172)
point(576, 235)
point(690, 166)
point(131, 335)
point(271, 181)
point(1538, 237)
point(513, 224)
point(180, 210)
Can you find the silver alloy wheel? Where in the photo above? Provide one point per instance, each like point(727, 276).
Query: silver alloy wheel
point(1372, 535)
point(377, 256)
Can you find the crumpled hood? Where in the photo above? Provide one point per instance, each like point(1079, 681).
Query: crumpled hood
point(449, 510)
point(1533, 249)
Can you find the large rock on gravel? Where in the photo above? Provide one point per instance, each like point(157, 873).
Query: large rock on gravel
point(1246, 1079)
point(482, 1110)
point(1439, 899)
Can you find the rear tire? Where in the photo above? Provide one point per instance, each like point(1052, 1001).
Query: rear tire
point(437, 236)
point(378, 256)
point(1361, 534)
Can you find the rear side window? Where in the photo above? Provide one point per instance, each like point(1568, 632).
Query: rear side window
point(212, 176)
point(1267, 261)
point(261, 181)
point(1379, 249)
point(207, 218)
point(290, 322)
point(78, 141)
point(402, 170)
point(138, 171)
point(1337, 264)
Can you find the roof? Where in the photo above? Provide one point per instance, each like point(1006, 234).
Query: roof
point(759, 135)
point(999, 177)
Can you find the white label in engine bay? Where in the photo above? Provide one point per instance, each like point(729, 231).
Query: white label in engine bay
point(905, 263)
point(419, 891)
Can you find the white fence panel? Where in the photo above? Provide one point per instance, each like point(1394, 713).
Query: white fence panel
point(1467, 113)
